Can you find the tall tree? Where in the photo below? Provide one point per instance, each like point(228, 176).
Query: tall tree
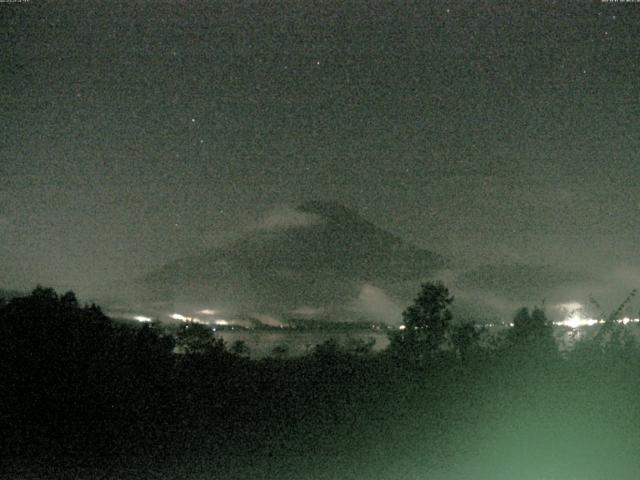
point(532, 330)
point(466, 339)
point(426, 322)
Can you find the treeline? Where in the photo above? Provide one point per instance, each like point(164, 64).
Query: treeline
point(82, 393)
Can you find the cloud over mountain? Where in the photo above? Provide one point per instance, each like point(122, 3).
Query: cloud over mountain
point(318, 257)
point(287, 217)
point(322, 260)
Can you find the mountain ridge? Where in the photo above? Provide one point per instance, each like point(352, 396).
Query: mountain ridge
point(321, 264)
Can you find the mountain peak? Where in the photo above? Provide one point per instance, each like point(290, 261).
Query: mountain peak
point(331, 211)
point(323, 264)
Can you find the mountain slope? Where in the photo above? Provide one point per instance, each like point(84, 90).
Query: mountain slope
point(317, 265)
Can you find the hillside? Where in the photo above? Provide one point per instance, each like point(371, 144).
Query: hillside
point(319, 267)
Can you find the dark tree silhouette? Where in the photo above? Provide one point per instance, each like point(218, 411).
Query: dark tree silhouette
point(613, 337)
point(83, 389)
point(328, 349)
point(73, 375)
point(240, 348)
point(532, 331)
point(69, 300)
point(195, 338)
point(426, 323)
point(466, 339)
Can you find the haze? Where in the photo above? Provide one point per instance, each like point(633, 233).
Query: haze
point(137, 133)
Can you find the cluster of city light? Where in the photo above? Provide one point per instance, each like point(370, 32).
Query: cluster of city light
point(575, 319)
point(204, 312)
point(189, 319)
point(182, 318)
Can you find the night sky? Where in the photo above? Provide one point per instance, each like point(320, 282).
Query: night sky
point(136, 132)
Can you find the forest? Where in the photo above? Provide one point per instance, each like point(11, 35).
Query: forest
point(85, 396)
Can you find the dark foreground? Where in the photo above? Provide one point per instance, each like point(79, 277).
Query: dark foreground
point(84, 397)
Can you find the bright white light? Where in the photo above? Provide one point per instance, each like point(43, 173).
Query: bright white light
point(142, 318)
point(221, 322)
point(182, 318)
point(626, 320)
point(575, 320)
point(402, 327)
point(207, 311)
point(196, 320)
